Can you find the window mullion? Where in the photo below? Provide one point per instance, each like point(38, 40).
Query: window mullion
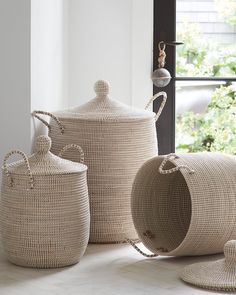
point(165, 30)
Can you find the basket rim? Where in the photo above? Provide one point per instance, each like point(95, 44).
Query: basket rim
point(178, 248)
point(160, 158)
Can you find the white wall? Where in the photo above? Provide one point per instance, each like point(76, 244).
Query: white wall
point(112, 40)
point(48, 69)
point(142, 47)
point(14, 76)
point(47, 55)
point(73, 43)
point(76, 42)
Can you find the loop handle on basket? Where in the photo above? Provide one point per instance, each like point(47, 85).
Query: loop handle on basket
point(74, 146)
point(37, 113)
point(151, 100)
point(132, 243)
point(172, 170)
point(6, 171)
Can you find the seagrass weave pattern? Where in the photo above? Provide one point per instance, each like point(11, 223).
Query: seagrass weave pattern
point(219, 275)
point(44, 210)
point(185, 204)
point(116, 140)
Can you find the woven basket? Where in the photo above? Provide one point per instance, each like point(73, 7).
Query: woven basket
point(186, 205)
point(44, 209)
point(116, 140)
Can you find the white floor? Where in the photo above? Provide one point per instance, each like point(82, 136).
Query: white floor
point(105, 270)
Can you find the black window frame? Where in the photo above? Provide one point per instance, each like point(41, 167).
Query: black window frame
point(164, 29)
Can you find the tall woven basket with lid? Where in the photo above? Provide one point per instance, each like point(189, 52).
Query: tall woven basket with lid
point(44, 208)
point(117, 140)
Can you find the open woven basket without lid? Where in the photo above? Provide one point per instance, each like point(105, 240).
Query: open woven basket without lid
point(186, 204)
point(117, 140)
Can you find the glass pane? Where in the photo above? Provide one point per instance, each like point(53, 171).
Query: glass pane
point(208, 30)
point(206, 116)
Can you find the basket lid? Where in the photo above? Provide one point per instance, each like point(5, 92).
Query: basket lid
point(43, 162)
point(219, 275)
point(103, 108)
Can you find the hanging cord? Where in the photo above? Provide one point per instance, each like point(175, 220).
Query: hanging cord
point(162, 54)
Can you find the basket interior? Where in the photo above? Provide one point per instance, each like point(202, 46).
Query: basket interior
point(163, 212)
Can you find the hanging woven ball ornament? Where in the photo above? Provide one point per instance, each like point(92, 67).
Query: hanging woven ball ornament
point(161, 77)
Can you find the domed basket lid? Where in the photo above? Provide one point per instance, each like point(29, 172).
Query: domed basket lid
point(102, 108)
point(219, 275)
point(43, 162)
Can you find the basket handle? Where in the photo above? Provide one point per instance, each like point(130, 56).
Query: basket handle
point(74, 146)
point(6, 171)
point(172, 170)
point(151, 100)
point(132, 243)
point(37, 113)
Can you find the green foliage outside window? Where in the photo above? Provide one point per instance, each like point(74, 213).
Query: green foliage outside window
point(215, 129)
point(227, 9)
point(198, 57)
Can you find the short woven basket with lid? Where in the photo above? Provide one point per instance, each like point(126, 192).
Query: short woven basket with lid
point(117, 140)
point(44, 208)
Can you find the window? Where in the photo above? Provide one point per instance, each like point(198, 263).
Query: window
point(201, 109)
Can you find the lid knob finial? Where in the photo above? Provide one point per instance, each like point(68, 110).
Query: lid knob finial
point(230, 252)
point(101, 88)
point(43, 144)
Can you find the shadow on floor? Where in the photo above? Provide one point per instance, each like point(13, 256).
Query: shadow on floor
point(163, 272)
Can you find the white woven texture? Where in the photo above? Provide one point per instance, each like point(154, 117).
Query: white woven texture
point(185, 205)
point(45, 225)
point(116, 141)
point(105, 109)
point(219, 275)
